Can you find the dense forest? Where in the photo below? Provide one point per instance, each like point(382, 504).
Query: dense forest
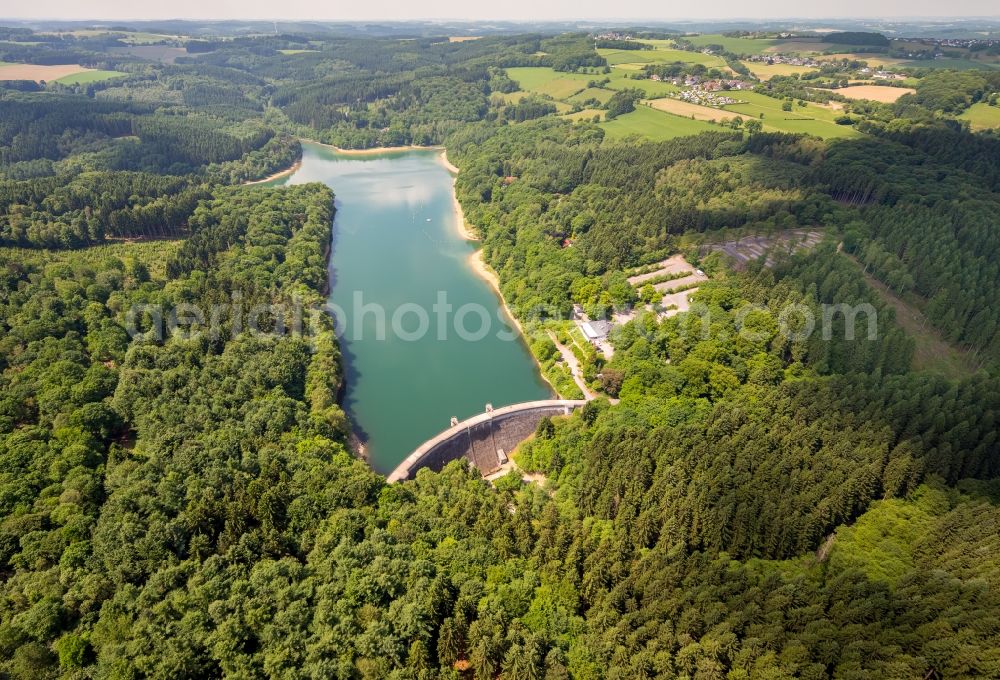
point(186, 503)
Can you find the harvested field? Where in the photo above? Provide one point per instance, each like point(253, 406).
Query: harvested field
point(38, 72)
point(463, 38)
point(689, 110)
point(877, 93)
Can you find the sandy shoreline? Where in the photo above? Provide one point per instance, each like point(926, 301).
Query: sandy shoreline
point(446, 163)
point(463, 227)
point(281, 173)
point(375, 150)
point(485, 272)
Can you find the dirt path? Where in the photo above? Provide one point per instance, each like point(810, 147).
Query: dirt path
point(574, 367)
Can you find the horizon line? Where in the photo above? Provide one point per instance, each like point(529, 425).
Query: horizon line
point(942, 17)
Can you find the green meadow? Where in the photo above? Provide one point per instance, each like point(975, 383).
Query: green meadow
point(982, 116)
point(650, 88)
point(89, 77)
point(655, 125)
point(544, 80)
point(956, 64)
point(658, 56)
point(735, 45)
point(599, 93)
point(571, 88)
point(567, 86)
point(811, 119)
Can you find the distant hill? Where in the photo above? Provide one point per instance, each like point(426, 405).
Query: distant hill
point(857, 38)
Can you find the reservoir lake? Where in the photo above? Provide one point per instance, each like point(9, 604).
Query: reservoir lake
point(397, 248)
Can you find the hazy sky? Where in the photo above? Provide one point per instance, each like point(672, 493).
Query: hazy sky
point(508, 9)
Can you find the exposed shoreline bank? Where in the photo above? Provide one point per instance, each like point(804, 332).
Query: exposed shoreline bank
point(278, 175)
point(448, 164)
point(463, 227)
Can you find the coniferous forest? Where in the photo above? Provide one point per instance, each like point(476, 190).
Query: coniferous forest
point(731, 505)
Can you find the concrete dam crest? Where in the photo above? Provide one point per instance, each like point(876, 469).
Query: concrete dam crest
point(484, 439)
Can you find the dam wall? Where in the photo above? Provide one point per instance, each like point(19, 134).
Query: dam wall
point(485, 439)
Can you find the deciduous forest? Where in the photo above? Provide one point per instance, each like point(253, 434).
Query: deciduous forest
point(732, 505)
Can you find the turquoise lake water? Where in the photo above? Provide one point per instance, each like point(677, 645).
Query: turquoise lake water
point(396, 248)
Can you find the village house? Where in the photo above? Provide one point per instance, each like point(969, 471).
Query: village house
point(886, 75)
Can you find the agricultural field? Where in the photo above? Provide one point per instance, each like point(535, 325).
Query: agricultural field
point(564, 86)
point(734, 45)
point(982, 116)
point(586, 114)
point(689, 110)
point(89, 77)
point(768, 71)
point(651, 88)
point(662, 121)
point(630, 67)
point(658, 56)
point(38, 72)
point(875, 93)
point(599, 93)
point(511, 97)
point(876, 60)
point(955, 64)
point(544, 80)
point(810, 119)
point(516, 96)
point(654, 125)
point(289, 52)
point(810, 46)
